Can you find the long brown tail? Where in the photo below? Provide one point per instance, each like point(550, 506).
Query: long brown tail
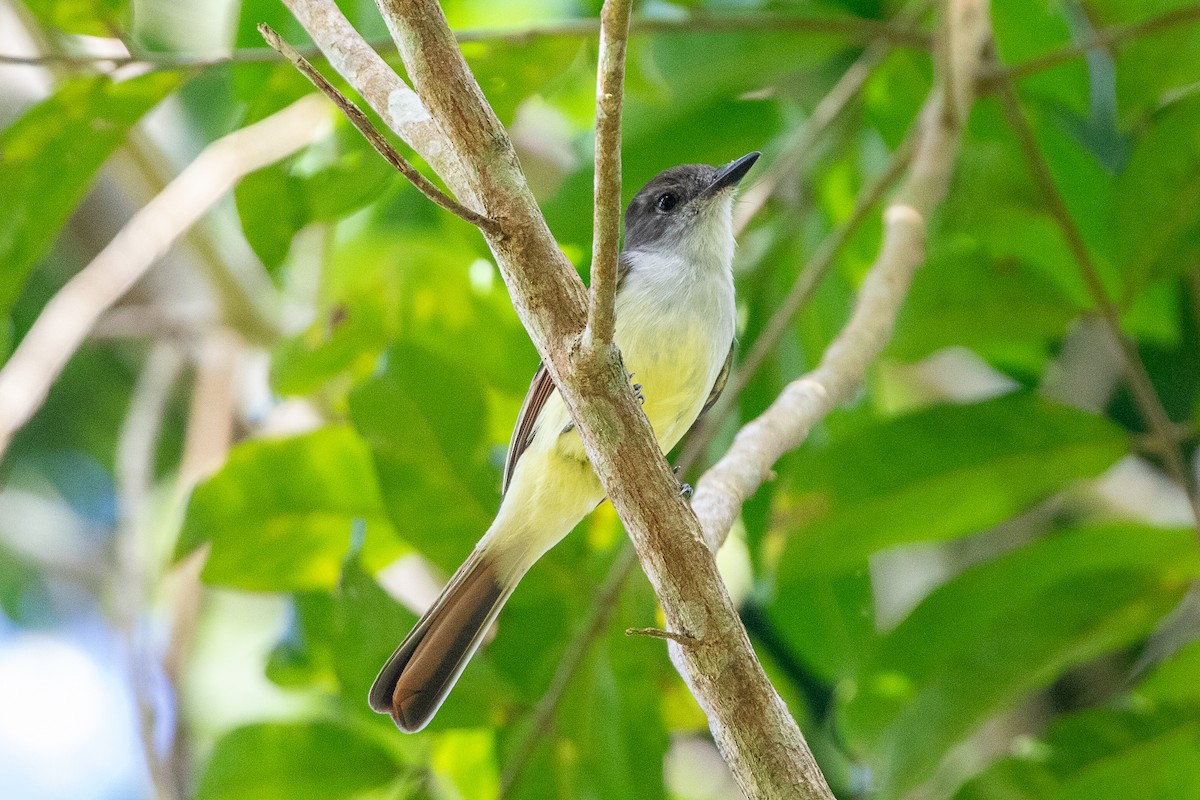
point(415, 681)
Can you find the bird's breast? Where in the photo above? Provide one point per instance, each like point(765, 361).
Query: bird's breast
point(675, 340)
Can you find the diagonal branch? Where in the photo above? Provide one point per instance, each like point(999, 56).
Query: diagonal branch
point(785, 424)
point(1162, 430)
point(797, 297)
point(606, 228)
point(382, 146)
point(66, 320)
point(996, 75)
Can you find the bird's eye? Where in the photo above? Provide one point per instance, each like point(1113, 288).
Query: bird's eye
point(666, 201)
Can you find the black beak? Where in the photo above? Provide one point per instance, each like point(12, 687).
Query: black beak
point(731, 174)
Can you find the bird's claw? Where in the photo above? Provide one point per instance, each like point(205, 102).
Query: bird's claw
point(637, 389)
point(685, 491)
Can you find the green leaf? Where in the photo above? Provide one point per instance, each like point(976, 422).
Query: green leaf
point(304, 654)
point(279, 513)
point(276, 202)
point(467, 759)
point(429, 284)
point(826, 620)
point(1026, 29)
point(356, 179)
point(1102, 754)
point(994, 201)
point(1157, 195)
point(938, 474)
point(49, 158)
point(84, 17)
point(1174, 682)
point(1150, 68)
point(1137, 747)
point(271, 207)
point(425, 419)
point(510, 72)
point(609, 738)
point(295, 761)
point(1003, 628)
point(966, 298)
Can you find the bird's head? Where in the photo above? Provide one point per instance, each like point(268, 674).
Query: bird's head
point(686, 210)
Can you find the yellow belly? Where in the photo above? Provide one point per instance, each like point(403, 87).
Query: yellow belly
point(553, 485)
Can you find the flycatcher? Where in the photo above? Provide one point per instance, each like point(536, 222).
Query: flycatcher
point(674, 318)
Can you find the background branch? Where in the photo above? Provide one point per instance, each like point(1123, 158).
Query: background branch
point(65, 321)
point(852, 28)
point(137, 447)
point(1140, 385)
point(785, 424)
point(997, 74)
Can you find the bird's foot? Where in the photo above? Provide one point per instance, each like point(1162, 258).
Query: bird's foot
point(685, 489)
point(637, 390)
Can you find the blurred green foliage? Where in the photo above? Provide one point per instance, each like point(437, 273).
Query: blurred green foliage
point(1035, 574)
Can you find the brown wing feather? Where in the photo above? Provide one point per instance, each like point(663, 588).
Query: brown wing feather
point(540, 389)
point(719, 384)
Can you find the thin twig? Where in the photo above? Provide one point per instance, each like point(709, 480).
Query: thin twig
point(384, 91)
point(66, 320)
point(1141, 387)
point(681, 639)
point(1112, 36)
point(382, 146)
point(606, 226)
point(579, 646)
point(851, 28)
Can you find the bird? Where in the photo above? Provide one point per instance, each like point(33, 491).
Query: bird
point(674, 324)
